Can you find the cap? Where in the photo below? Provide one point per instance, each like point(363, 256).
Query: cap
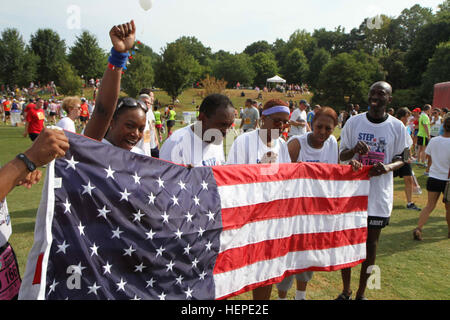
point(417, 110)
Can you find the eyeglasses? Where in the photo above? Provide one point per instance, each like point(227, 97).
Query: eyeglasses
point(131, 103)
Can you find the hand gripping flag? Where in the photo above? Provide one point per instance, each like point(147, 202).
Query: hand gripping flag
point(117, 225)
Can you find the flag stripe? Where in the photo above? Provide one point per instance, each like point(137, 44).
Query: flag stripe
point(251, 194)
point(273, 271)
point(257, 173)
point(235, 218)
point(285, 227)
point(271, 249)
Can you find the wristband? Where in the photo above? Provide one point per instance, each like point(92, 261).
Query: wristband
point(118, 59)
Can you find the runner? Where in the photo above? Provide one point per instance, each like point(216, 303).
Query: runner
point(170, 120)
point(317, 146)
point(263, 146)
point(35, 118)
point(201, 144)
point(71, 105)
point(378, 139)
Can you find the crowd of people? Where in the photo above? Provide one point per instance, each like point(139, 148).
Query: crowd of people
point(275, 132)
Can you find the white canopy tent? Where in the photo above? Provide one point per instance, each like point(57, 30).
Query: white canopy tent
point(276, 79)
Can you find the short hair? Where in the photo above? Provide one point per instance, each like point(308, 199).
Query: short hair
point(213, 102)
point(402, 112)
point(249, 101)
point(445, 110)
point(273, 103)
point(145, 91)
point(328, 112)
point(426, 107)
point(70, 102)
point(446, 122)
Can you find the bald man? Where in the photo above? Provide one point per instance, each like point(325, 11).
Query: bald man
point(379, 139)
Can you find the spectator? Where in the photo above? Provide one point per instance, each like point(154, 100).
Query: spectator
point(72, 106)
point(438, 151)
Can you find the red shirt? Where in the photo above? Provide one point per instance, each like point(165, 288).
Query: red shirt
point(7, 105)
point(35, 119)
point(84, 110)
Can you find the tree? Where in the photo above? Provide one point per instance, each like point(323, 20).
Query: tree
point(347, 75)
point(257, 47)
point(438, 70)
point(424, 45)
point(47, 44)
point(176, 70)
point(87, 57)
point(295, 68)
point(69, 83)
point(411, 21)
point(234, 68)
point(196, 49)
point(319, 60)
point(139, 74)
point(302, 40)
point(265, 67)
point(394, 64)
point(17, 62)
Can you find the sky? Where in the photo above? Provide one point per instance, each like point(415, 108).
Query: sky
point(228, 25)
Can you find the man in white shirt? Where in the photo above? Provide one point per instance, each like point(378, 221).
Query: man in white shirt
point(378, 139)
point(201, 144)
point(299, 125)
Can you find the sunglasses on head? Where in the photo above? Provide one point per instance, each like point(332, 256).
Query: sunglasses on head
point(132, 103)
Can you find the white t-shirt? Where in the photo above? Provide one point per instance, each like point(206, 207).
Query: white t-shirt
point(439, 150)
point(434, 132)
point(5, 223)
point(67, 124)
point(248, 148)
point(385, 140)
point(148, 142)
point(298, 115)
point(185, 147)
point(135, 149)
point(329, 153)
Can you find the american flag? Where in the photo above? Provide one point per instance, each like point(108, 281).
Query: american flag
point(117, 225)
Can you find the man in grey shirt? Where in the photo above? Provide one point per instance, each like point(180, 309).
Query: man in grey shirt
point(250, 117)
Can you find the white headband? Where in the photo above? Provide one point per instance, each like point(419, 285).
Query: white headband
point(276, 109)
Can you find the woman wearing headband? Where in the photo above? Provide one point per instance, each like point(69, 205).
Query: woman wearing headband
point(263, 145)
point(317, 146)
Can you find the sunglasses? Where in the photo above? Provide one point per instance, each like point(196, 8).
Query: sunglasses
point(278, 122)
point(131, 103)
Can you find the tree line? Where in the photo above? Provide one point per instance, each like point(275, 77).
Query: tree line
point(410, 51)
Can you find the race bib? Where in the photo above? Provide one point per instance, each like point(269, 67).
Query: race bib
point(147, 136)
point(9, 275)
point(247, 121)
point(40, 115)
point(371, 158)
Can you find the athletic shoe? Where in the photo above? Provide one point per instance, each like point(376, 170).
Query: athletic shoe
point(412, 206)
point(343, 296)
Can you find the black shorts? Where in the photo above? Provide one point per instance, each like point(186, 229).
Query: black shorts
point(33, 136)
point(7, 113)
point(405, 171)
point(422, 141)
point(436, 185)
point(83, 119)
point(377, 222)
point(52, 114)
point(170, 123)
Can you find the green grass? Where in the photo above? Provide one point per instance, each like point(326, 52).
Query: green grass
point(410, 270)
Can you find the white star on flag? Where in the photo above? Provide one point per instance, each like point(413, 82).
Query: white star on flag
point(129, 251)
point(188, 293)
point(151, 198)
point(103, 212)
point(88, 188)
point(137, 216)
point(67, 206)
point(116, 233)
point(189, 217)
point(93, 289)
point(81, 229)
point(140, 267)
point(94, 249)
point(170, 265)
point(160, 182)
point(62, 247)
point(125, 195)
point(150, 234)
point(107, 268)
point(197, 201)
point(160, 251)
point(71, 163)
point(210, 216)
point(109, 173)
point(121, 285)
point(182, 185)
point(204, 185)
point(174, 200)
point(137, 179)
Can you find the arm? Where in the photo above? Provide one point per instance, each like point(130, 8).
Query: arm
point(360, 148)
point(49, 145)
point(294, 149)
point(122, 38)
